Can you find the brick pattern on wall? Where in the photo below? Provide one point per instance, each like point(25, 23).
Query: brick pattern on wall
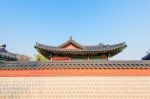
point(74, 72)
point(75, 87)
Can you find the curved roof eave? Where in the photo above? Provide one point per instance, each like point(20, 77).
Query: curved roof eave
point(113, 49)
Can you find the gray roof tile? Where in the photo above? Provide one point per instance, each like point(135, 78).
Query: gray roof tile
point(5, 55)
point(84, 65)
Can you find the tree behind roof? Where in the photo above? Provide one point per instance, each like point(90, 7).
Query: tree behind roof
point(39, 57)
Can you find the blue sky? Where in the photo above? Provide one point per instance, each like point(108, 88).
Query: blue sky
point(52, 22)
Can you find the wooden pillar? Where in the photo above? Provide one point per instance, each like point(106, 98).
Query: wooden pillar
point(107, 56)
point(88, 59)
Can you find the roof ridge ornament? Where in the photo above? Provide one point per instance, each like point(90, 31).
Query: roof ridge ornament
point(70, 37)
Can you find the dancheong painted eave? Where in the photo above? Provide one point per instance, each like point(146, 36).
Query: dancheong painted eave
point(48, 69)
point(94, 50)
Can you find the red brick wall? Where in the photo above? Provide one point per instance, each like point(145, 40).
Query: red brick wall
point(74, 72)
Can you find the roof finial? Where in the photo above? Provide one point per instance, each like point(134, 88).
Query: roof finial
point(3, 46)
point(70, 37)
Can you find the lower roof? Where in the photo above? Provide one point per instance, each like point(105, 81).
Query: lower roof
point(32, 65)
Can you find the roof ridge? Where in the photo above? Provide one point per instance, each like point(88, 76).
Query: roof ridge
point(71, 40)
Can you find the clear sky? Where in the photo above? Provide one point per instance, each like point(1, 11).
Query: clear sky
point(52, 22)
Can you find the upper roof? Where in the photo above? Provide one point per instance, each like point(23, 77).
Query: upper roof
point(83, 50)
point(71, 41)
point(5, 55)
point(75, 65)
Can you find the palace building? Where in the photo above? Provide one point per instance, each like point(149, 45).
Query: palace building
point(76, 72)
point(73, 51)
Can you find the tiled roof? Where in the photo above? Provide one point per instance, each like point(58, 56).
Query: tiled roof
point(5, 55)
point(87, 50)
point(77, 65)
point(147, 57)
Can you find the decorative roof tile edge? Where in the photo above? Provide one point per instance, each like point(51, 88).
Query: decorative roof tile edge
point(75, 65)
